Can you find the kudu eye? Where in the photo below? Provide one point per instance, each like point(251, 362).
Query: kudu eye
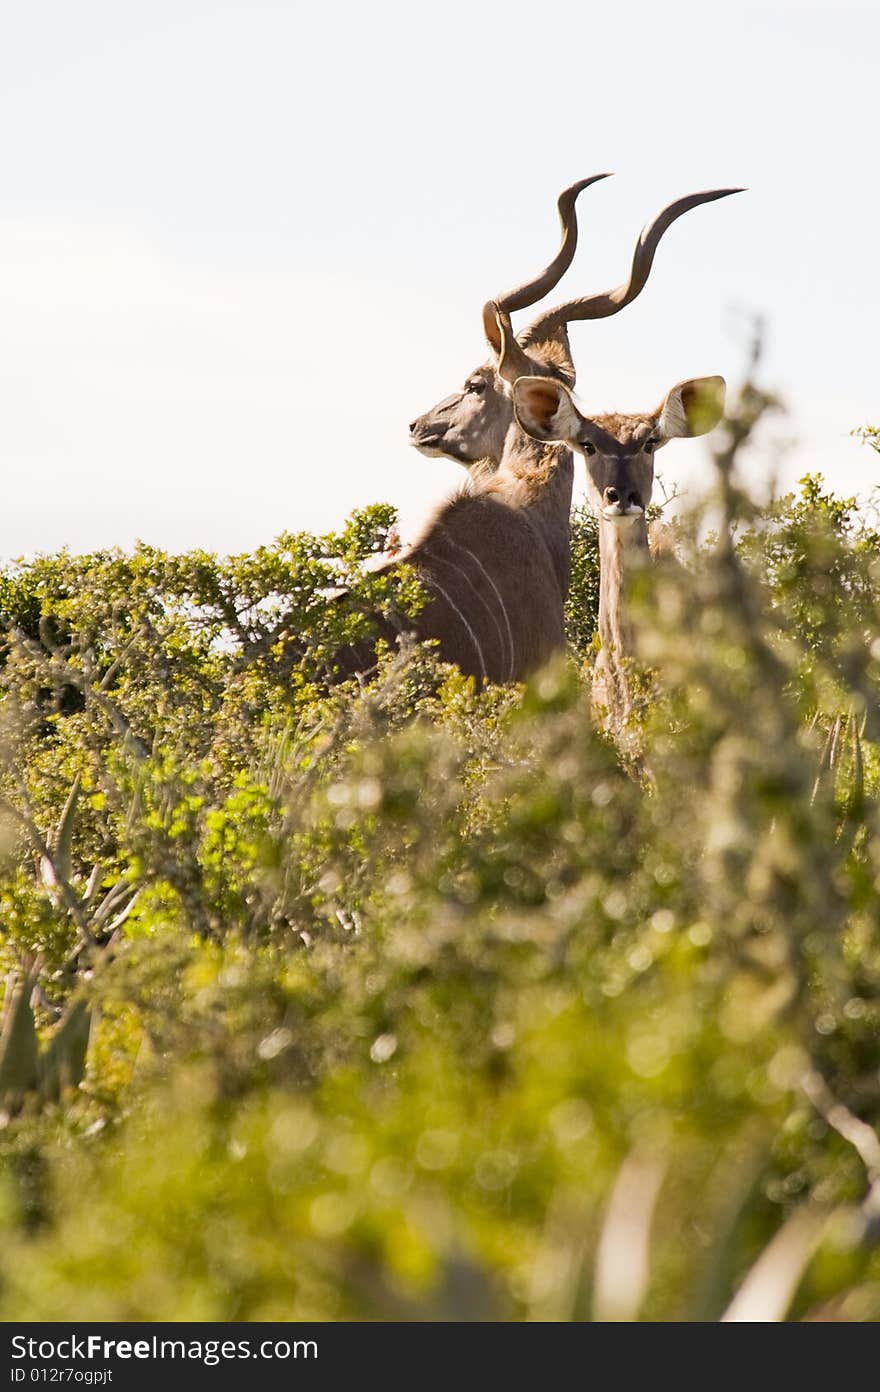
point(650, 445)
point(588, 448)
point(477, 385)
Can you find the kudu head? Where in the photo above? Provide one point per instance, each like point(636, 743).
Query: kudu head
point(618, 450)
point(472, 425)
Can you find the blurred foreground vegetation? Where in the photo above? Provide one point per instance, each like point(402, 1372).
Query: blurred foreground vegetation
point(400, 1001)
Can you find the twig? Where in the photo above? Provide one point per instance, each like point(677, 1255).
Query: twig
point(862, 1137)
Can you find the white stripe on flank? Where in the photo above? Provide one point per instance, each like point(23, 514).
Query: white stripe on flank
point(444, 560)
point(452, 604)
point(474, 557)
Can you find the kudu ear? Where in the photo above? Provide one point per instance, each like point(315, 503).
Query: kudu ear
point(492, 328)
point(692, 408)
point(512, 361)
point(544, 409)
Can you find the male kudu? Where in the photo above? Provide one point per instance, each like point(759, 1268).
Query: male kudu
point(495, 559)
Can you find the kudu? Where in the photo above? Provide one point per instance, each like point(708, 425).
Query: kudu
point(495, 559)
point(470, 610)
point(619, 454)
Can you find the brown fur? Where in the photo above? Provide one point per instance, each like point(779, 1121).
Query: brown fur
point(555, 355)
point(624, 428)
point(470, 427)
point(521, 487)
point(495, 562)
point(619, 456)
point(496, 558)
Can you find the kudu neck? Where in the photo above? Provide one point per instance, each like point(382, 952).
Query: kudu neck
point(621, 549)
point(539, 478)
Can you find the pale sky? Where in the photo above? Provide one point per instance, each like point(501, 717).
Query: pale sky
point(242, 245)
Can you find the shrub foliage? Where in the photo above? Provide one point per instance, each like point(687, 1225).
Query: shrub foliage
point(397, 1000)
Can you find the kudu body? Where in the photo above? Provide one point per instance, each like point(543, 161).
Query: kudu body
point(619, 454)
point(495, 559)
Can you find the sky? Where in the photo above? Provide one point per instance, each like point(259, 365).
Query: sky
point(243, 245)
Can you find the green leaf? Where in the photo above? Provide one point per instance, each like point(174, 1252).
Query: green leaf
point(63, 837)
point(19, 1055)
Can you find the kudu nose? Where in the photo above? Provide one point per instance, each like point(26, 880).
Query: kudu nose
point(612, 495)
point(412, 425)
point(635, 500)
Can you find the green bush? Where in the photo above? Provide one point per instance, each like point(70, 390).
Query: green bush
point(409, 1002)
